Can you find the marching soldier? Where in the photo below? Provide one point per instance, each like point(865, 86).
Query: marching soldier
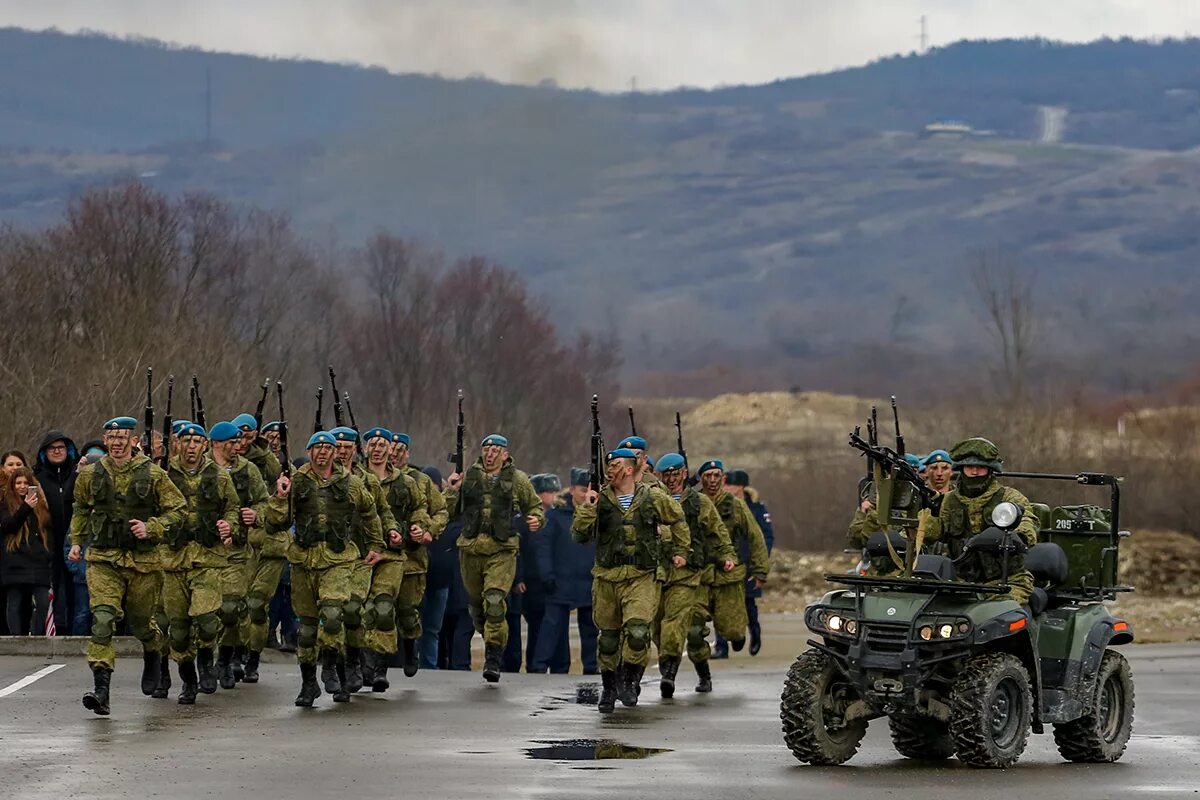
point(645, 466)
point(728, 592)
point(124, 505)
point(196, 554)
point(488, 496)
point(683, 612)
point(398, 584)
point(328, 505)
point(638, 531)
point(435, 501)
point(242, 567)
point(256, 449)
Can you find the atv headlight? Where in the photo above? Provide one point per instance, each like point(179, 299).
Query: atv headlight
point(926, 632)
point(1006, 515)
point(834, 623)
point(946, 631)
point(851, 626)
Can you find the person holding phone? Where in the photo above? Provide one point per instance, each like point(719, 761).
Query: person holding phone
point(26, 562)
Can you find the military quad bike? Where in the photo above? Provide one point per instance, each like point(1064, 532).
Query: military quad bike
point(959, 669)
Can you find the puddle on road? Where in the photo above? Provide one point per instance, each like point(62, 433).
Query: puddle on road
point(589, 750)
point(586, 694)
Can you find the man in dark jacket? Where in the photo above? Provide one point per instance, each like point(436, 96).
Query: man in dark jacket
point(443, 559)
point(565, 567)
point(737, 481)
point(55, 467)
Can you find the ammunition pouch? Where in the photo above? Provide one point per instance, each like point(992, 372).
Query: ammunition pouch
point(501, 505)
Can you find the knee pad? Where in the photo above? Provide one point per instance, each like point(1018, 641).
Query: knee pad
point(162, 621)
point(208, 626)
point(608, 643)
point(306, 636)
point(179, 632)
point(104, 624)
point(140, 628)
point(409, 617)
point(697, 634)
point(384, 609)
point(331, 618)
point(494, 607)
point(231, 611)
point(257, 606)
point(637, 634)
point(352, 613)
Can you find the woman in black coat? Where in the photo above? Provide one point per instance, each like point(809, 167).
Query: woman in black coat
point(25, 557)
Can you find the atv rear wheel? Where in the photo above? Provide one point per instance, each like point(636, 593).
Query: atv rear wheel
point(991, 710)
point(1101, 734)
point(921, 738)
point(812, 708)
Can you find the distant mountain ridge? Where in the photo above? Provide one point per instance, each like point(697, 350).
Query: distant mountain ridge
point(807, 231)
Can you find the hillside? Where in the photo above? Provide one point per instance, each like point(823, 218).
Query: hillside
point(804, 231)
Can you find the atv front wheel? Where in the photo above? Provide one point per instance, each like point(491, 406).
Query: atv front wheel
point(991, 710)
point(812, 708)
point(921, 738)
point(1101, 734)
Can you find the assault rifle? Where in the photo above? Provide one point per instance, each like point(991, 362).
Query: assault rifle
point(679, 443)
point(632, 423)
point(354, 424)
point(168, 421)
point(456, 458)
point(192, 395)
point(318, 422)
point(337, 399)
point(262, 401)
point(199, 403)
point(283, 432)
point(149, 417)
point(597, 479)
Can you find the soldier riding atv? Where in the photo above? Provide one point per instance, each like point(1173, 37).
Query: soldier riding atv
point(965, 652)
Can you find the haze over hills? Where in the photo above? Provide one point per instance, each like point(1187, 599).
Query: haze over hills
point(787, 229)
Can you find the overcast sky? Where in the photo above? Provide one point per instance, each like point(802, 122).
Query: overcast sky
point(602, 43)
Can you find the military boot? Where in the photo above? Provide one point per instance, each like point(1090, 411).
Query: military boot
point(705, 684)
point(608, 692)
point(96, 700)
point(354, 674)
point(411, 663)
point(251, 673)
point(309, 690)
point(225, 666)
point(737, 644)
point(191, 683)
point(668, 667)
point(491, 662)
point(626, 685)
point(379, 678)
point(370, 664)
point(164, 678)
point(239, 664)
point(204, 665)
point(330, 662)
point(755, 639)
point(638, 671)
point(151, 669)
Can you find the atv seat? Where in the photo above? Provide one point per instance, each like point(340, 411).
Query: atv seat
point(877, 544)
point(1039, 601)
point(935, 568)
point(1047, 562)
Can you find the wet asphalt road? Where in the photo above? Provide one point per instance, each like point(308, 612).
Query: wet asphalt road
point(448, 735)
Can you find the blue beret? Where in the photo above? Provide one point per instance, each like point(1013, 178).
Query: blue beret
point(633, 443)
point(401, 438)
point(120, 424)
point(192, 429)
point(320, 437)
point(494, 438)
point(377, 432)
point(937, 456)
point(913, 460)
point(712, 463)
point(620, 452)
point(580, 477)
point(546, 482)
point(272, 426)
point(178, 424)
point(224, 431)
point(669, 461)
point(343, 433)
point(245, 422)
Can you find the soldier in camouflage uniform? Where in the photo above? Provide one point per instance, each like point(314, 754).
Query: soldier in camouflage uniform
point(194, 555)
point(398, 584)
point(331, 509)
point(967, 511)
point(491, 493)
point(638, 531)
point(255, 447)
point(683, 611)
point(435, 501)
point(728, 589)
point(645, 468)
point(124, 505)
point(235, 579)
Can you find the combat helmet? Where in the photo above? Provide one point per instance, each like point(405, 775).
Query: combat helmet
point(978, 452)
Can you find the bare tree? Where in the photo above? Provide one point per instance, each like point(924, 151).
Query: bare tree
point(1006, 295)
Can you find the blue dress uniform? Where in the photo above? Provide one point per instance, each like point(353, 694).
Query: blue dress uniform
point(739, 477)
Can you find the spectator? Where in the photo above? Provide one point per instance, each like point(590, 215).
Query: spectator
point(80, 611)
point(454, 645)
point(280, 615)
point(533, 602)
point(55, 470)
point(443, 555)
point(566, 570)
point(12, 461)
point(92, 452)
point(26, 556)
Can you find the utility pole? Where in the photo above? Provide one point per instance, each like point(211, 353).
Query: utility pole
point(924, 35)
point(633, 97)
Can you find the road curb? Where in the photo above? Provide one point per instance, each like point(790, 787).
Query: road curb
point(76, 647)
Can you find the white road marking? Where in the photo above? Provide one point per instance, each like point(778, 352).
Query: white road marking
point(28, 679)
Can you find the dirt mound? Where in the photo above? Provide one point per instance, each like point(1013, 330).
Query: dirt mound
point(786, 409)
point(1162, 563)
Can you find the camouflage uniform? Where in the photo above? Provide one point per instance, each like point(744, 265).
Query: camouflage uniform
point(728, 601)
point(124, 574)
point(488, 545)
point(235, 584)
point(194, 560)
point(267, 550)
point(358, 619)
point(711, 546)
